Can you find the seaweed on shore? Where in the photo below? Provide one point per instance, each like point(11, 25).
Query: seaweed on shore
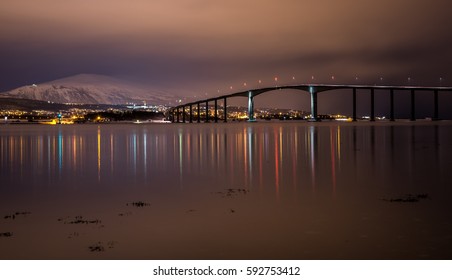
point(125, 214)
point(99, 246)
point(17, 214)
point(73, 235)
point(232, 192)
point(410, 198)
point(79, 220)
point(138, 204)
point(6, 234)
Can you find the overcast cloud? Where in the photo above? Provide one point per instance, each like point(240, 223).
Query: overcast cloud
point(198, 45)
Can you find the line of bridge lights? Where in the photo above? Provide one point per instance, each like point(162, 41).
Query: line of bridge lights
point(245, 84)
point(333, 78)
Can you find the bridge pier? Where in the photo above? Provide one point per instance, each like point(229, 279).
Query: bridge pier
point(372, 105)
point(313, 89)
point(313, 92)
point(391, 105)
point(251, 107)
point(225, 110)
point(354, 104)
point(435, 106)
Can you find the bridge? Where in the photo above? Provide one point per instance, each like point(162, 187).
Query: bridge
point(178, 113)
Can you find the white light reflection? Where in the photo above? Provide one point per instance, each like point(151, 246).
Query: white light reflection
point(180, 156)
point(98, 153)
point(145, 162)
point(311, 140)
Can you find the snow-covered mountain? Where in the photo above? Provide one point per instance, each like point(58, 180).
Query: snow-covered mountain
point(90, 89)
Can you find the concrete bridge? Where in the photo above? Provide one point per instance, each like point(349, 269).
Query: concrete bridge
point(178, 112)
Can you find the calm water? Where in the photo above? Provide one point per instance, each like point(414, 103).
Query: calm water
point(266, 190)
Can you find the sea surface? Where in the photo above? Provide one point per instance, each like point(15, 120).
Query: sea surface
point(264, 190)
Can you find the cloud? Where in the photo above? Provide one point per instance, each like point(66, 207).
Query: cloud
point(203, 44)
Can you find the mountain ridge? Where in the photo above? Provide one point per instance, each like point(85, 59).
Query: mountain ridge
point(90, 89)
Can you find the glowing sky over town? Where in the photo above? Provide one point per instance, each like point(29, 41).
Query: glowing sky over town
point(199, 45)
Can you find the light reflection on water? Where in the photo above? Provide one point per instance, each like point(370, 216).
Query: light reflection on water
point(269, 156)
point(299, 170)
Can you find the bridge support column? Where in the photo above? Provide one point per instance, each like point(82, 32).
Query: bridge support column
point(199, 112)
point(391, 105)
point(354, 104)
point(251, 107)
point(313, 93)
point(191, 113)
point(435, 106)
point(177, 113)
point(207, 111)
point(372, 105)
point(413, 106)
point(225, 111)
point(183, 114)
point(216, 110)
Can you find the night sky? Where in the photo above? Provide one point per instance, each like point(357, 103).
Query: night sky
point(198, 46)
